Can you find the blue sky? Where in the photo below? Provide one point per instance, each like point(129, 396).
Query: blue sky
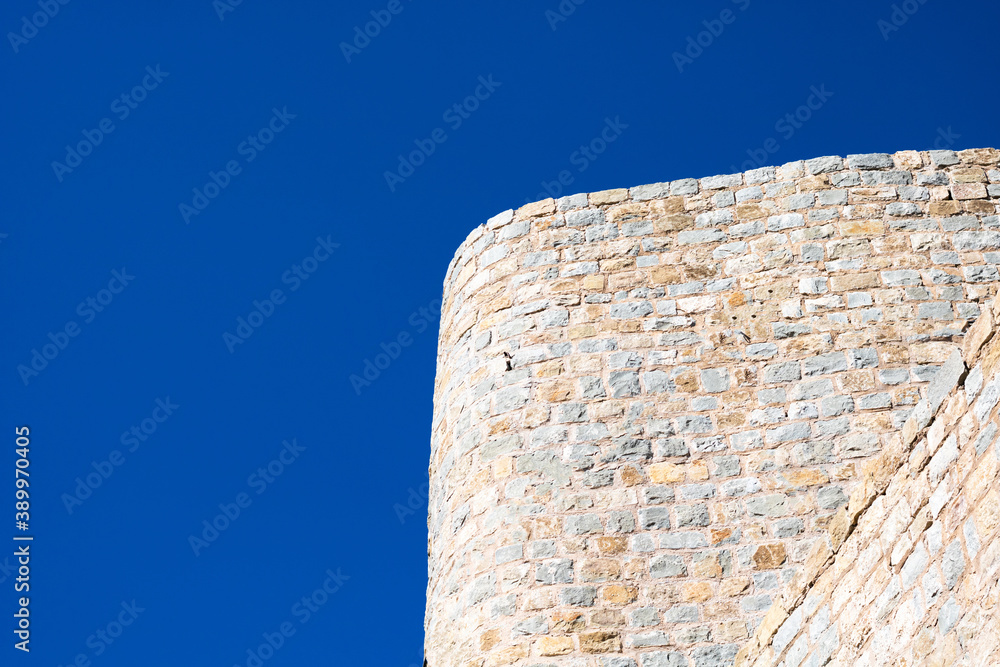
point(215, 214)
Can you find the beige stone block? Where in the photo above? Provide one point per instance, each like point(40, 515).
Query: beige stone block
point(862, 227)
point(666, 275)
point(612, 544)
point(773, 619)
point(931, 353)
point(564, 622)
point(535, 209)
point(555, 391)
point(581, 331)
point(981, 156)
point(600, 641)
point(961, 191)
point(857, 381)
point(565, 285)
point(618, 595)
point(968, 175)
point(908, 160)
point(839, 529)
point(503, 467)
point(508, 656)
point(489, 639)
point(769, 556)
point(729, 631)
point(978, 335)
point(608, 196)
point(627, 213)
point(547, 646)
point(944, 208)
point(756, 210)
point(668, 206)
point(697, 471)
point(600, 570)
point(805, 477)
point(708, 568)
point(669, 224)
point(608, 618)
point(980, 207)
point(987, 513)
point(696, 591)
point(665, 473)
point(734, 586)
point(855, 281)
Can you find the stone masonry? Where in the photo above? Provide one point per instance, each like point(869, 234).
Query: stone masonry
point(686, 424)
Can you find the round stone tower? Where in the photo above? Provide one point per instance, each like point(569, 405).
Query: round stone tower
point(651, 401)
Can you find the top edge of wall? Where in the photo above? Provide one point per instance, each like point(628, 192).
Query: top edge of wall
point(905, 159)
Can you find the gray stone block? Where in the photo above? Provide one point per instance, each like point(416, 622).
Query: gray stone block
point(578, 596)
point(831, 497)
point(667, 566)
point(783, 372)
point(654, 518)
point(807, 391)
point(715, 380)
point(824, 364)
point(651, 191)
point(789, 432)
point(554, 571)
point(695, 236)
point(874, 401)
point(692, 515)
point(777, 223)
point(949, 615)
point(825, 165)
point(722, 655)
point(773, 506)
point(623, 383)
point(944, 158)
point(945, 380)
point(870, 161)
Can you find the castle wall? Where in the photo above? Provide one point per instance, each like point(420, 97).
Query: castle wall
point(651, 403)
point(908, 574)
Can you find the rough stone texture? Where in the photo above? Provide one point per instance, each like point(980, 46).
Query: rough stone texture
point(699, 430)
point(908, 572)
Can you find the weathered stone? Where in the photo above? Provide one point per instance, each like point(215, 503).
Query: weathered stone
point(693, 403)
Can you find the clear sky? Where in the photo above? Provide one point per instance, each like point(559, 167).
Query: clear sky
point(214, 214)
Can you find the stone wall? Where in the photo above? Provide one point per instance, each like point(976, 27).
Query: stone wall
point(908, 574)
point(653, 405)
